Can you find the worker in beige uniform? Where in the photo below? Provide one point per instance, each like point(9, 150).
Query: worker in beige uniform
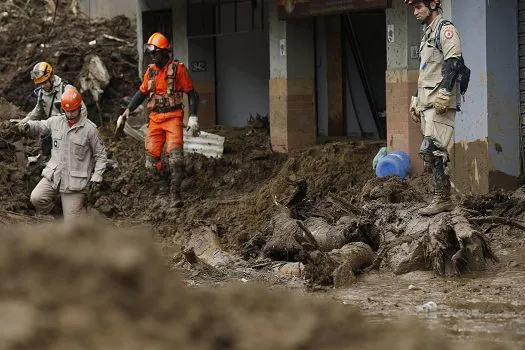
point(436, 102)
point(49, 90)
point(78, 157)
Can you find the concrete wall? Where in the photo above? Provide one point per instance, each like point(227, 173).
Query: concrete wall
point(242, 66)
point(109, 9)
point(487, 129)
point(503, 92)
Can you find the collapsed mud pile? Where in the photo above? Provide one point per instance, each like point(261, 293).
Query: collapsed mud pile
point(95, 287)
point(33, 31)
point(16, 178)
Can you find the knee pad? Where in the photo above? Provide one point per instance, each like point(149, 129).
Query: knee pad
point(427, 148)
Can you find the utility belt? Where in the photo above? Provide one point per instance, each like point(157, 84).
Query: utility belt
point(163, 104)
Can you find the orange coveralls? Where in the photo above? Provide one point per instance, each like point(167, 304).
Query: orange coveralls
point(165, 127)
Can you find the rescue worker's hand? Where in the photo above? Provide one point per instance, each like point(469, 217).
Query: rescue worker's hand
point(23, 127)
point(93, 191)
point(121, 122)
point(193, 125)
point(414, 112)
point(442, 101)
point(125, 114)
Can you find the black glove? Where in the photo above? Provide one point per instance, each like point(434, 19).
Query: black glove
point(93, 191)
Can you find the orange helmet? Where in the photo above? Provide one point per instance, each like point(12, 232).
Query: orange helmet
point(71, 99)
point(157, 41)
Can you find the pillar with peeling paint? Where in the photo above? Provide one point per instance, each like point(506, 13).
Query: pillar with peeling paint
point(487, 129)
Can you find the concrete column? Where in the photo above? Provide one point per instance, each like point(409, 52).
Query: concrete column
point(401, 82)
point(487, 129)
point(292, 83)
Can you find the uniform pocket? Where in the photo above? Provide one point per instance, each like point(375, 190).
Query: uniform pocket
point(79, 148)
point(78, 180)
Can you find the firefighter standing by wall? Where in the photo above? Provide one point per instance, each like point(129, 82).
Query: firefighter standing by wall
point(50, 88)
point(164, 83)
point(78, 157)
point(437, 98)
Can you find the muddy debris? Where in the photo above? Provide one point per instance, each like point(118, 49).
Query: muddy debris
point(111, 289)
point(396, 237)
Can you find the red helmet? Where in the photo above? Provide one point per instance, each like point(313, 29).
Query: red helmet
point(157, 41)
point(71, 99)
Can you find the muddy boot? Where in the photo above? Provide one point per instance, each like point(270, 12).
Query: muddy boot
point(162, 184)
point(441, 201)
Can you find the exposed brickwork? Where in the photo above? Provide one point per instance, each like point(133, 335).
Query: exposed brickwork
point(402, 133)
point(292, 114)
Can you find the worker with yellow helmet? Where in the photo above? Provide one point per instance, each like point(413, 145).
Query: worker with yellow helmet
point(50, 88)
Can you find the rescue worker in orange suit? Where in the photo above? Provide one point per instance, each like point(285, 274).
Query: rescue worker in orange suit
point(163, 86)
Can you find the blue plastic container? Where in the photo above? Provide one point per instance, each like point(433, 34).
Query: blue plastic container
point(395, 163)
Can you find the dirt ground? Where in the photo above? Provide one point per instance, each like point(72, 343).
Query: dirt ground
point(129, 281)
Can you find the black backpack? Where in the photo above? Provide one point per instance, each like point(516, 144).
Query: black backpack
point(463, 77)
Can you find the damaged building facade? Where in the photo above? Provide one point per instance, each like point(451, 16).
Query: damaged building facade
point(329, 68)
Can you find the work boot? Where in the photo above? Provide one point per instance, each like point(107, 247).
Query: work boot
point(161, 182)
point(441, 201)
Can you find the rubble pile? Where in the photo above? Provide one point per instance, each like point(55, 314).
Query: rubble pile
point(32, 31)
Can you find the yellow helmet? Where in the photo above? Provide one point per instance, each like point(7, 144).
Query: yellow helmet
point(41, 72)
